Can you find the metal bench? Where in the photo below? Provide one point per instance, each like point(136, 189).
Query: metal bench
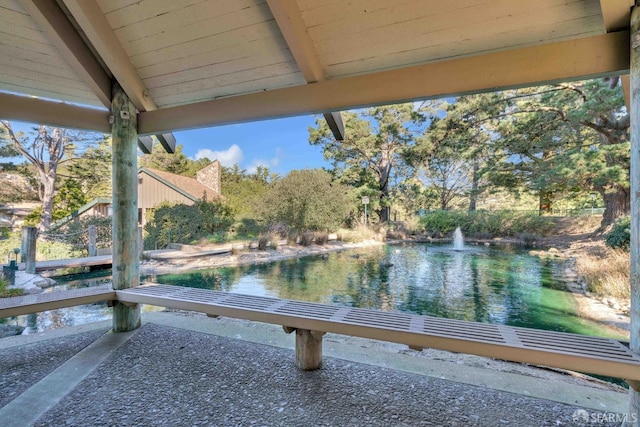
point(601, 356)
point(16, 306)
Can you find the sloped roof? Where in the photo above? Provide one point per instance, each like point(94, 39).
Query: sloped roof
point(82, 209)
point(197, 63)
point(189, 187)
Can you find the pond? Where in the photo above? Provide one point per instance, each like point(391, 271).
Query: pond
point(491, 285)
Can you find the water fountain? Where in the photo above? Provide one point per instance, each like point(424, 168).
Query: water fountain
point(458, 240)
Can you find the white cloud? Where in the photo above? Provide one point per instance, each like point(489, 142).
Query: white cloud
point(228, 157)
point(269, 163)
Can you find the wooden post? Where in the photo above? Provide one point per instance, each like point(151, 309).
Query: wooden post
point(93, 237)
point(308, 349)
point(634, 401)
point(126, 263)
point(28, 248)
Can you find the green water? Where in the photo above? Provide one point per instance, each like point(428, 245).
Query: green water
point(502, 286)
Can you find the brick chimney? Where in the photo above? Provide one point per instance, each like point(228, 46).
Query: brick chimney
point(209, 176)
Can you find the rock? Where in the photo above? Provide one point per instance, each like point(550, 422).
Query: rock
point(30, 283)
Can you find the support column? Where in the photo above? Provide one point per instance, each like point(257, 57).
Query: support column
point(28, 248)
point(634, 401)
point(126, 263)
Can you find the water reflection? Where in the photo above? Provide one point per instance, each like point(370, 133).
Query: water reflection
point(479, 284)
point(483, 285)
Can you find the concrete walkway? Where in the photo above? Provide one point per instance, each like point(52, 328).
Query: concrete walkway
point(191, 370)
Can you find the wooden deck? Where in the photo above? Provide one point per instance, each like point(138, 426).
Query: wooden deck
point(594, 355)
point(102, 261)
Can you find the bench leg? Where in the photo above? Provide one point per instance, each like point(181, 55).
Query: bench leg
point(308, 349)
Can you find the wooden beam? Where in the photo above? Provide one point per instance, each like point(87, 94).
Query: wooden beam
point(91, 19)
point(126, 261)
point(334, 120)
point(104, 40)
point(634, 401)
point(294, 30)
point(603, 55)
point(35, 110)
point(59, 30)
point(616, 14)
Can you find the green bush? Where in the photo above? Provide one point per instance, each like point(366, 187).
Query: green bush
point(444, 221)
point(180, 223)
point(307, 199)
point(487, 224)
point(620, 234)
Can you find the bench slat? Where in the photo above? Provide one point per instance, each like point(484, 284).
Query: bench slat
point(602, 356)
point(26, 304)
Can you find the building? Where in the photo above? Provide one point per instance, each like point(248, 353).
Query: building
point(155, 187)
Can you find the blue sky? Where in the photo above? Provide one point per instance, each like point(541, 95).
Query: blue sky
point(281, 145)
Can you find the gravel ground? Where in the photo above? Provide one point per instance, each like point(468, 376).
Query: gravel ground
point(23, 366)
point(167, 376)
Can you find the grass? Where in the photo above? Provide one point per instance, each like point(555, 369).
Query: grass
point(5, 293)
point(44, 250)
point(606, 275)
point(357, 234)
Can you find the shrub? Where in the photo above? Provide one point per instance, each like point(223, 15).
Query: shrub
point(443, 221)
point(308, 238)
point(180, 223)
point(279, 230)
point(487, 224)
point(264, 241)
point(307, 200)
point(322, 238)
point(620, 234)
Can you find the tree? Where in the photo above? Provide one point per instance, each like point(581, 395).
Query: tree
point(307, 199)
point(372, 149)
point(243, 191)
point(177, 163)
point(92, 169)
point(450, 155)
point(569, 137)
point(46, 150)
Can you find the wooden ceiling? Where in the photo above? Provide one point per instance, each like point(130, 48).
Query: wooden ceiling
point(198, 63)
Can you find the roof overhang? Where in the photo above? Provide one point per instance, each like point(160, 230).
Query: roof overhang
point(188, 64)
